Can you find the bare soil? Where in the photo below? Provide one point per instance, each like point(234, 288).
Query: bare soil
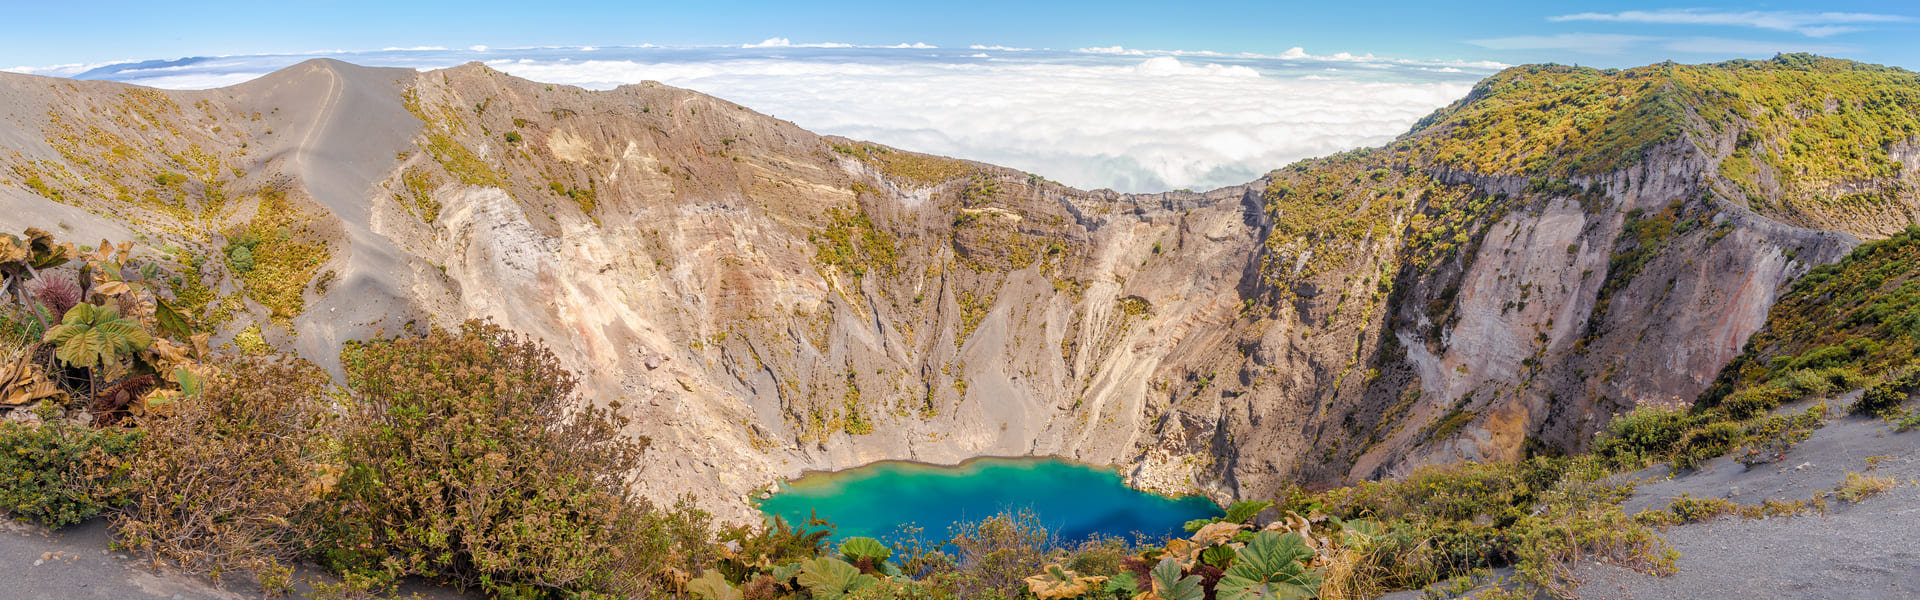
point(79, 562)
point(1857, 551)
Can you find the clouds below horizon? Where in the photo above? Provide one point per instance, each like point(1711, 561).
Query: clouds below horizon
point(1152, 125)
point(1130, 120)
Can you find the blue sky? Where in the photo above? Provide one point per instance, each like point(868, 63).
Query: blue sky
point(1134, 96)
point(1617, 34)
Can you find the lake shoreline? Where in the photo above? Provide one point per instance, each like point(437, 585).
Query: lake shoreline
point(763, 491)
point(1074, 499)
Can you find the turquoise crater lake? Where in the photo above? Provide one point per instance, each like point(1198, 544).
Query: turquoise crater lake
point(1073, 501)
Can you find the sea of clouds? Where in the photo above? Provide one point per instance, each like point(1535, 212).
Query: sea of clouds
point(1127, 119)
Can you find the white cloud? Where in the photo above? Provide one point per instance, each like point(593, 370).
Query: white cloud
point(1000, 48)
point(1294, 53)
point(1590, 43)
point(780, 42)
point(1132, 120)
point(915, 45)
point(1811, 24)
point(1144, 125)
point(1112, 50)
point(66, 70)
point(477, 48)
point(412, 49)
point(192, 80)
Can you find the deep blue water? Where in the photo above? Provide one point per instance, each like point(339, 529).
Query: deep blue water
point(1073, 501)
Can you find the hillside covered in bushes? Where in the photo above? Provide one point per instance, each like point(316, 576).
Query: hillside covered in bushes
point(541, 342)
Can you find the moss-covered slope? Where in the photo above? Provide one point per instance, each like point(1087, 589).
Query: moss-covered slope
point(1811, 140)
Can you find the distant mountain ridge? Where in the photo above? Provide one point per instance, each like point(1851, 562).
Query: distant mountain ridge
point(1560, 245)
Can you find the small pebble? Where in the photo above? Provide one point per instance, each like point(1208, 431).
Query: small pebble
point(38, 562)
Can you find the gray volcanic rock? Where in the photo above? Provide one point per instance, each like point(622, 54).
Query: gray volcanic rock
point(763, 301)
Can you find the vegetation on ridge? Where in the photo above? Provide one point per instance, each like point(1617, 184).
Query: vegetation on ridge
point(463, 461)
point(1839, 326)
point(1820, 117)
point(1810, 129)
point(918, 169)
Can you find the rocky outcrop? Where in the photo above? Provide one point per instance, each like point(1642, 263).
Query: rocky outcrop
point(762, 301)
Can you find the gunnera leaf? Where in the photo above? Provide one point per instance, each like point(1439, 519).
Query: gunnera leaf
point(856, 548)
point(831, 578)
point(1271, 567)
point(1169, 585)
point(711, 586)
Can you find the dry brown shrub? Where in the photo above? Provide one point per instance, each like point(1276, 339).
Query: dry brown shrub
point(470, 459)
point(226, 481)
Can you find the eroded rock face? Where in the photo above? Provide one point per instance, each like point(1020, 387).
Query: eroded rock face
point(1565, 315)
point(762, 301)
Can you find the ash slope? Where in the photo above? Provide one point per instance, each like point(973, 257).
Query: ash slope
point(764, 301)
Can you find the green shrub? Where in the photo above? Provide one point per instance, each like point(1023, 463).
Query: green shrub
point(241, 259)
point(1771, 438)
point(468, 459)
point(1647, 434)
point(1889, 394)
point(1904, 421)
point(1498, 492)
point(1688, 509)
point(1755, 401)
point(1707, 442)
point(60, 473)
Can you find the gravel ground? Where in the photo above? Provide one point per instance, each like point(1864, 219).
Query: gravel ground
point(1868, 550)
point(76, 563)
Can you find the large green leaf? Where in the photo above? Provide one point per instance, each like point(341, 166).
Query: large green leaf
point(1271, 567)
point(856, 548)
point(78, 345)
point(711, 586)
point(126, 336)
point(94, 336)
point(1273, 552)
point(831, 579)
point(1169, 585)
point(785, 573)
point(1218, 556)
point(1241, 512)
